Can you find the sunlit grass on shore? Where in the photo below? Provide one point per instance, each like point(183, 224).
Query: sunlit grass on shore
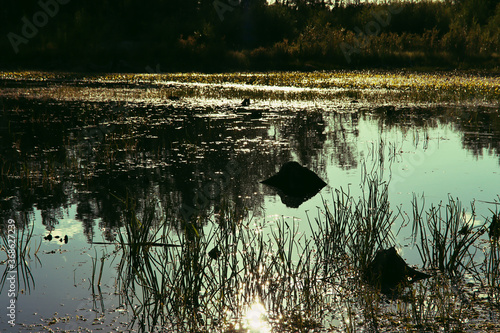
point(365, 86)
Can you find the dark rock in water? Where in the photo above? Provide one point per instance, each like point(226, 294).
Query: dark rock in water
point(65, 239)
point(295, 179)
point(249, 114)
point(256, 114)
point(246, 102)
point(494, 230)
point(388, 271)
point(48, 237)
point(295, 184)
point(214, 253)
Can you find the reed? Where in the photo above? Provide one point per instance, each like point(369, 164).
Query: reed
point(445, 239)
point(492, 273)
point(186, 288)
point(491, 264)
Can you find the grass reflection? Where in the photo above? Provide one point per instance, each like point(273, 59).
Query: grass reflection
point(19, 249)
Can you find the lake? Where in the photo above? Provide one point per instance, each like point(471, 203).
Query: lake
point(115, 189)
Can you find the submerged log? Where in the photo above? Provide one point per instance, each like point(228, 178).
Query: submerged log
point(388, 271)
point(295, 184)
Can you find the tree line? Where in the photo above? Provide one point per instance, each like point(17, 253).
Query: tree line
point(218, 35)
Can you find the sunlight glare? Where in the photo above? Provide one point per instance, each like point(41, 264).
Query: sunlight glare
point(256, 319)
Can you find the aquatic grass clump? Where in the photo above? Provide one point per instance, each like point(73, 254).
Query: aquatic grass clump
point(295, 267)
point(355, 229)
point(139, 267)
point(178, 287)
point(445, 240)
point(330, 233)
point(492, 272)
point(347, 237)
point(430, 307)
point(373, 220)
point(212, 276)
point(491, 264)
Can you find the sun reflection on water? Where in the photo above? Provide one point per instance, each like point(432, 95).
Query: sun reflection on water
point(256, 319)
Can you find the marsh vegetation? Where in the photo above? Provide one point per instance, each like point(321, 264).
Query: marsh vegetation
point(302, 283)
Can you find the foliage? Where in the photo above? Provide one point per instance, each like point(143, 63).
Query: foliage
point(193, 35)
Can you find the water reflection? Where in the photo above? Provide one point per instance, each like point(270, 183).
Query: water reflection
point(202, 164)
point(54, 154)
point(256, 319)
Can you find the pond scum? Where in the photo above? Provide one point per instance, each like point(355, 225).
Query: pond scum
point(244, 276)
